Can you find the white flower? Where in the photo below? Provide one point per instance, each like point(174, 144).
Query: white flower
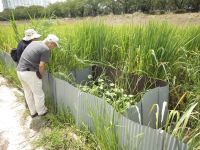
point(101, 87)
point(130, 96)
point(84, 89)
point(112, 84)
point(122, 90)
point(100, 80)
point(116, 89)
point(107, 93)
point(125, 95)
point(128, 104)
point(90, 76)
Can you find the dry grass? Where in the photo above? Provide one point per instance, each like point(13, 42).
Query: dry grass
point(140, 18)
point(135, 18)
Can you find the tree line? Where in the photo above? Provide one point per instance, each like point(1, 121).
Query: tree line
point(81, 8)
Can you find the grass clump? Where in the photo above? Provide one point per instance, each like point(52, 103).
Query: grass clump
point(178, 124)
point(60, 133)
point(105, 132)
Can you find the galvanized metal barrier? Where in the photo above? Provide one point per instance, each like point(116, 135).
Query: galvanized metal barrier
point(131, 133)
point(5, 57)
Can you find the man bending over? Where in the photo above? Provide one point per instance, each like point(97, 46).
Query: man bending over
point(30, 70)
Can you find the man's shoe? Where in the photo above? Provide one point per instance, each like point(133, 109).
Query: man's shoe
point(35, 115)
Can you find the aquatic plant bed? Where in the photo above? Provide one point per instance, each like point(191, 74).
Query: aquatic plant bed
point(137, 97)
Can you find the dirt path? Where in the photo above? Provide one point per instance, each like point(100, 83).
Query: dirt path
point(15, 132)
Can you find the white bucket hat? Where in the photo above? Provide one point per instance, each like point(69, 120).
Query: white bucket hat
point(52, 38)
point(31, 34)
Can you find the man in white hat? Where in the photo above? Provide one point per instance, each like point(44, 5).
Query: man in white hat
point(30, 35)
point(30, 70)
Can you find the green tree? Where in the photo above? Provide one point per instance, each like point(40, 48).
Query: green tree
point(194, 4)
point(145, 5)
point(80, 7)
point(93, 6)
point(36, 11)
point(6, 14)
point(21, 12)
point(128, 6)
point(162, 4)
point(112, 5)
point(71, 5)
point(59, 9)
point(180, 3)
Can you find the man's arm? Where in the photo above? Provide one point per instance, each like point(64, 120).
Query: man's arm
point(42, 67)
point(43, 60)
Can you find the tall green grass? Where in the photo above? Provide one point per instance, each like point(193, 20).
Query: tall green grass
point(158, 50)
point(154, 49)
point(105, 132)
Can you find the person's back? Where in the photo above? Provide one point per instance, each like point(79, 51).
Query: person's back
point(30, 35)
point(21, 47)
point(35, 52)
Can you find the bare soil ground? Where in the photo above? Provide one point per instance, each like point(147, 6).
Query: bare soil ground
point(135, 18)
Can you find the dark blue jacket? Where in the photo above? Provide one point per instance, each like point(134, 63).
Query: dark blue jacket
point(20, 48)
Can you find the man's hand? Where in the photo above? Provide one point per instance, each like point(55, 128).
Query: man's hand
point(39, 75)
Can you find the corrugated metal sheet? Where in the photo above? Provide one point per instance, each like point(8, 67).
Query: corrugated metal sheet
point(149, 109)
point(163, 99)
point(171, 143)
point(89, 105)
point(66, 95)
point(134, 136)
point(8, 60)
point(150, 104)
point(134, 113)
point(48, 84)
